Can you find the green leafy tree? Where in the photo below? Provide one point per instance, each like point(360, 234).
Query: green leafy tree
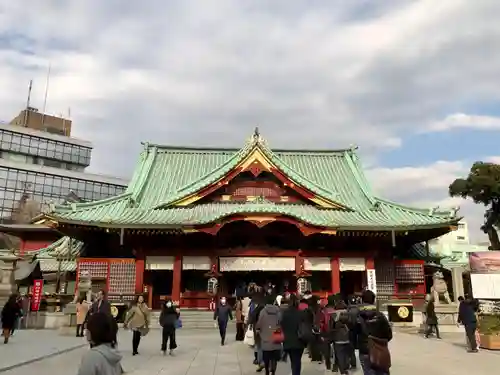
point(482, 185)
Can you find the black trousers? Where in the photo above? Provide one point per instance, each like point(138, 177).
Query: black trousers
point(136, 340)
point(326, 352)
point(315, 348)
point(79, 330)
point(240, 331)
point(270, 359)
point(222, 330)
point(470, 331)
point(295, 360)
point(430, 328)
point(168, 336)
point(342, 353)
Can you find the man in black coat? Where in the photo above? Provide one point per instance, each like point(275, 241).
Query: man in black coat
point(102, 305)
point(467, 317)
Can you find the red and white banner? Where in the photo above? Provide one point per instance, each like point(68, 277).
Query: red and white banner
point(37, 295)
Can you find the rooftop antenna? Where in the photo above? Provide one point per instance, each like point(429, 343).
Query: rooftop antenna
point(25, 124)
point(45, 97)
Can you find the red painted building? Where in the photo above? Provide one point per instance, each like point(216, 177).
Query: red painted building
point(243, 215)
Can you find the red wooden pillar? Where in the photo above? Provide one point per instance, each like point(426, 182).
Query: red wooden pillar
point(176, 282)
point(335, 274)
point(140, 267)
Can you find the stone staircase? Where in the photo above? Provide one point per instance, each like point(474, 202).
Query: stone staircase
point(191, 319)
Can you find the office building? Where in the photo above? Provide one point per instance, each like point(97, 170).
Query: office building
point(42, 167)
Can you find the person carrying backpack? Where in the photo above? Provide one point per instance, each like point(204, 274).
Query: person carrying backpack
point(326, 331)
point(373, 335)
point(340, 333)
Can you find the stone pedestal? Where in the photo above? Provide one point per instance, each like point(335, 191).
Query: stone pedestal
point(447, 315)
point(7, 278)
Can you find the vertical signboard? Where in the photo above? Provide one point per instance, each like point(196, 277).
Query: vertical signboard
point(371, 280)
point(37, 295)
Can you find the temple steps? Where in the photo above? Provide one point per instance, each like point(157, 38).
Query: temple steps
point(191, 319)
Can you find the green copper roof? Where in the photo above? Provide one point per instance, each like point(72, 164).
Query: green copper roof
point(60, 255)
point(166, 174)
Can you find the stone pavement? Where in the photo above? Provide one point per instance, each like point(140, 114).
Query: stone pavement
point(33, 345)
point(199, 353)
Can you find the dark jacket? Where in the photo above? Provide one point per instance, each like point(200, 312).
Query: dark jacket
point(223, 313)
point(466, 313)
point(291, 320)
point(340, 327)
point(371, 322)
point(10, 313)
point(103, 307)
point(430, 312)
point(168, 317)
point(254, 315)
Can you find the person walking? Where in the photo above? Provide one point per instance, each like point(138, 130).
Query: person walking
point(467, 317)
point(431, 319)
point(101, 304)
point(168, 321)
point(137, 319)
point(222, 314)
point(240, 320)
point(290, 323)
point(268, 327)
point(373, 334)
point(17, 322)
point(340, 334)
point(102, 358)
point(10, 313)
point(82, 309)
point(256, 307)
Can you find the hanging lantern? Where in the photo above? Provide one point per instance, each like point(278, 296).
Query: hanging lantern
point(212, 286)
point(303, 285)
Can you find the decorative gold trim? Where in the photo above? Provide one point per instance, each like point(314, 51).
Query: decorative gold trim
point(330, 232)
point(260, 219)
point(190, 230)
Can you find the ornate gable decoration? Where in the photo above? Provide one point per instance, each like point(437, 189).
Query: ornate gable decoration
point(257, 159)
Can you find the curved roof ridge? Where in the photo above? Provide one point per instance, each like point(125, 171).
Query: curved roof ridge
point(161, 147)
point(272, 155)
point(424, 211)
point(92, 204)
point(237, 157)
point(360, 180)
point(145, 174)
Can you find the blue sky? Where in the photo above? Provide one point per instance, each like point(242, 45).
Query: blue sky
point(414, 84)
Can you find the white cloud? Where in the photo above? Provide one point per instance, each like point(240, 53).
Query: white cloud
point(427, 186)
point(210, 71)
point(463, 121)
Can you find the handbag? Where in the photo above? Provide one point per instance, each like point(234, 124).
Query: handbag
point(378, 350)
point(249, 337)
point(178, 323)
point(277, 337)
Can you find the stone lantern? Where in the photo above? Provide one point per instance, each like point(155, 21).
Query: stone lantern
point(8, 265)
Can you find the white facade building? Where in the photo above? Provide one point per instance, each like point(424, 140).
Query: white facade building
point(455, 246)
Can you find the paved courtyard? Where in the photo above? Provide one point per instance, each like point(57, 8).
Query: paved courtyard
point(199, 353)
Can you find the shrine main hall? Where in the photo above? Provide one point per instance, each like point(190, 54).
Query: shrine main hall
point(194, 216)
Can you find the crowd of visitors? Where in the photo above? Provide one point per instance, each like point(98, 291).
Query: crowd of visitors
point(279, 328)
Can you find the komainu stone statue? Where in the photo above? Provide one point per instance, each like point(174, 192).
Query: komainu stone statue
point(84, 286)
point(439, 288)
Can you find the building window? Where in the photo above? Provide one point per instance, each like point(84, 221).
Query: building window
point(461, 238)
point(46, 189)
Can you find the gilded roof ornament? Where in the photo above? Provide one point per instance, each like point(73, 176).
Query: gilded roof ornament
point(257, 138)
